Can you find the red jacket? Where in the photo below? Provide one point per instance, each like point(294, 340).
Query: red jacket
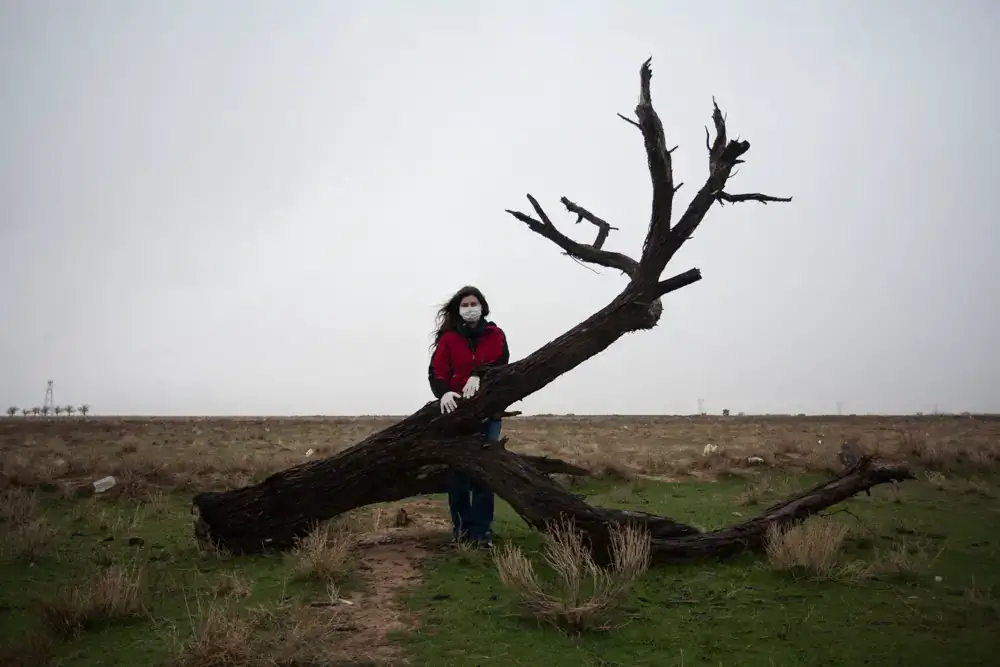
point(459, 352)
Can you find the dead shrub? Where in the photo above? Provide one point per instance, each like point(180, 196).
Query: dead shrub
point(661, 463)
point(607, 468)
point(894, 494)
point(18, 506)
point(31, 649)
point(812, 547)
point(224, 636)
point(948, 455)
point(904, 559)
point(28, 542)
point(232, 585)
point(583, 594)
point(937, 479)
point(983, 600)
point(220, 637)
point(715, 460)
point(323, 554)
point(304, 636)
point(756, 491)
point(116, 595)
point(976, 487)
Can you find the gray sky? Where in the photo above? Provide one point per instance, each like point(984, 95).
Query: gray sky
point(250, 206)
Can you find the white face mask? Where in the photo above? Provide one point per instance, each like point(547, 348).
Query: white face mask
point(470, 314)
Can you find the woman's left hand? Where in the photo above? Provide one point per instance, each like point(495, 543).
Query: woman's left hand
point(471, 387)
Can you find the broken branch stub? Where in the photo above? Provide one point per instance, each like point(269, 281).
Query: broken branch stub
point(411, 456)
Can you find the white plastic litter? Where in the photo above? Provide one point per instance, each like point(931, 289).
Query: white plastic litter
point(710, 449)
point(755, 459)
point(310, 452)
point(103, 484)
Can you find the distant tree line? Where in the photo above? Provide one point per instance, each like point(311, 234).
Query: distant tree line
point(68, 410)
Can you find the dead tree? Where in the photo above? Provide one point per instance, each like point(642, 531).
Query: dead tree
point(409, 457)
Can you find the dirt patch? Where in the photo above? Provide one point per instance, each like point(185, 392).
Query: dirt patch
point(390, 563)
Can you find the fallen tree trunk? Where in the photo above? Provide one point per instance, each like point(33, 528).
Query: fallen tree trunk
point(271, 515)
point(409, 457)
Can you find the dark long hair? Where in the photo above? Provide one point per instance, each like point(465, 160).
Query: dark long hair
point(447, 315)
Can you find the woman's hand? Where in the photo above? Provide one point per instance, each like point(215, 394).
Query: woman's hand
point(448, 403)
point(471, 387)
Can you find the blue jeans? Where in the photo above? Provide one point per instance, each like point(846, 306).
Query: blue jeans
point(471, 501)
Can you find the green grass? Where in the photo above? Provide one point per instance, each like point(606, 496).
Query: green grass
point(180, 578)
point(734, 613)
point(740, 612)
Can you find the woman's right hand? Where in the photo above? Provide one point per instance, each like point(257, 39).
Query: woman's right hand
point(448, 402)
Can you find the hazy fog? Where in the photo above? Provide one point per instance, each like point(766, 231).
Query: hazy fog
point(252, 206)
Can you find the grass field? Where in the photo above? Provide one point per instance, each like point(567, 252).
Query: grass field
point(907, 576)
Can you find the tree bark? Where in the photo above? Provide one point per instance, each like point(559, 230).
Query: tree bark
point(412, 456)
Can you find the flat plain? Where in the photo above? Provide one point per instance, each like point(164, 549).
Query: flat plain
point(908, 575)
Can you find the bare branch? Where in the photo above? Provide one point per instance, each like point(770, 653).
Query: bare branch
point(585, 253)
point(723, 156)
point(676, 282)
point(603, 228)
point(661, 175)
point(725, 197)
point(630, 121)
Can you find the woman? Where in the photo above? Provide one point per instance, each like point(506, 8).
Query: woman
point(465, 344)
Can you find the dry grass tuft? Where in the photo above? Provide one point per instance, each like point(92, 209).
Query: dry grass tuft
point(324, 554)
point(904, 559)
point(220, 637)
point(610, 469)
point(32, 649)
point(232, 585)
point(28, 542)
point(19, 506)
point(894, 494)
point(975, 486)
point(937, 479)
point(305, 636)
point(979, 596)
point(583, 594)
point(224, 636)
point(761, 489)
point(28, 533)
point(116, 595)
point(812, 547)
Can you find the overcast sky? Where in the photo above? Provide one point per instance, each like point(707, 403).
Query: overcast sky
point(254, 207)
